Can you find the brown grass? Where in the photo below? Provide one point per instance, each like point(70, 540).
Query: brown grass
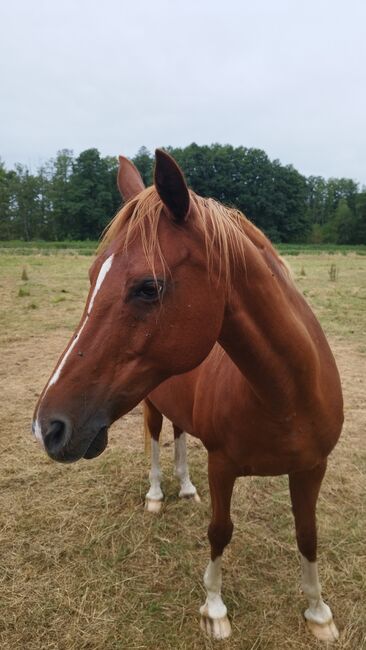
point(84, 567)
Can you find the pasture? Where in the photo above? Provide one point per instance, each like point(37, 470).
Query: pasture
point(84, 567)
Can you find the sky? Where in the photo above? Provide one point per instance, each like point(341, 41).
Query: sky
point(286, 76)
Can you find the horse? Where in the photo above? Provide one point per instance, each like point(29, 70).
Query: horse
point(191, 306)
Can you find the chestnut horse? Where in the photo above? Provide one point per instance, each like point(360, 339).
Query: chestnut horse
point(191, 306)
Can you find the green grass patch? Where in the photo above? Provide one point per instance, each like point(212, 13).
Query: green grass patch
point(89, 247)
point(23, 291)
point(20, 247)
point(310, 249)
point(58, 299)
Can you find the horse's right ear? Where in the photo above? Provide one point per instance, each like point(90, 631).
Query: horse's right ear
point(129, 180)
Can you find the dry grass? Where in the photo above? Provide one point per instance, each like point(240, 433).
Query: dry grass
point(84, 567)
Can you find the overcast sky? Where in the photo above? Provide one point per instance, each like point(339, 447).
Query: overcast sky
point(287, 76)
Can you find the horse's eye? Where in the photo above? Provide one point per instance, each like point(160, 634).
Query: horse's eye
point(150, 290)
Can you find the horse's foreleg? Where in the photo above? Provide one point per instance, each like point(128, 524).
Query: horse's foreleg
point(187, 489)
point(214, 618)
point(304, 490)
point(153, 421)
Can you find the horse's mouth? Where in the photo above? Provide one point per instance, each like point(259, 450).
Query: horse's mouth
point(98, 444)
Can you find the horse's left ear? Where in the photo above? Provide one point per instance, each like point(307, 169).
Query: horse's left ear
point(171, 185)
point(129, 180)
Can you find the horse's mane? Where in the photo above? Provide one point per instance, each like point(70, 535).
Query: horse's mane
point(223, 229)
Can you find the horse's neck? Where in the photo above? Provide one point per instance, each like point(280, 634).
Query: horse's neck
point(266, 333)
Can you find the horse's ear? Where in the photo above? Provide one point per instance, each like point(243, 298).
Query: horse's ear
point(129, 180)
point(171, 185)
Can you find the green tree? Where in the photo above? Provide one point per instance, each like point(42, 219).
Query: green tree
point(346, 223)
point(360, 229)
point(324, 196)
point(5, 209)
point(75, 198)
point(272, 195)
point(111, 165)
point(289, 203)
point(46, 225)
point(60, 171)
point(144, 163)
point(90, 195)
point(340, 229)
point(26, 214)
point(316, 199)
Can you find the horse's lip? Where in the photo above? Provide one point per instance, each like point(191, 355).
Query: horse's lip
point(98, 444)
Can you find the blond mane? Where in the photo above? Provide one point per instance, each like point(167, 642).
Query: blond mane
point(225, 230)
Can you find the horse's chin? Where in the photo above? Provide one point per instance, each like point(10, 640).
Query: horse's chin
point(98, 444)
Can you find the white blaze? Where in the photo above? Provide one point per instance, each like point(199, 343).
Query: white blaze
point(101, 277)
point(38, 433)
point(102, 273)
point(57, 372)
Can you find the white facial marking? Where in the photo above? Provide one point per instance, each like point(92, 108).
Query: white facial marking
point(187, 489)
point(101, 277)
point(57, 373)
point(102, 273)
point(38, 433)
point(318, 611)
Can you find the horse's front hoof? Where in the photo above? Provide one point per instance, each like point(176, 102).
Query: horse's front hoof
point(216, 628)
point(324, 631)
point(153, 505)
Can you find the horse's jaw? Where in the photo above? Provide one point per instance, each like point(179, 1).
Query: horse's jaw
point(98, 444)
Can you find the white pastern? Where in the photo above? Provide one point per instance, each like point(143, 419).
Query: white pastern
point(318, 615)
point(155, 493)
point(214, 606)
point(214, 613)
point(187, 489)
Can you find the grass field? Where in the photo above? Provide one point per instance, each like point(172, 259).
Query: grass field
point(84, 567)
point(87, 247)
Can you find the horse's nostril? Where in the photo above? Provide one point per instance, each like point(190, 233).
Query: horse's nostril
point(57, 437)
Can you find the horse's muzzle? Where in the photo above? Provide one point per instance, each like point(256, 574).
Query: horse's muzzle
point(62, 445)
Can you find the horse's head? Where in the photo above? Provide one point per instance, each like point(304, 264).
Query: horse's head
point(154, 310)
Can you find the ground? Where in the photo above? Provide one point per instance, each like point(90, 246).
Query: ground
point(84, 567)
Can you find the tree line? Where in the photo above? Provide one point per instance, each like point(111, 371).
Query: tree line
point(73, 198)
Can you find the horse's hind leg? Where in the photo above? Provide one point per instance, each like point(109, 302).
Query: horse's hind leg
point(153, 421)
point(304, 490)
point(187, 489)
